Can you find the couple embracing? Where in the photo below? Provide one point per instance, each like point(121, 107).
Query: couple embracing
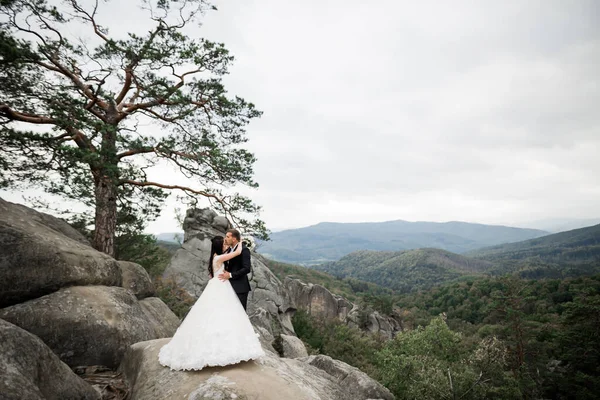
point(217, 331)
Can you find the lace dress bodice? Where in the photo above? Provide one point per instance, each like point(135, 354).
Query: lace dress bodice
point(217, 267)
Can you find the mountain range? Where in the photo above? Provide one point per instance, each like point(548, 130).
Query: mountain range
point(328, 241)
point(571, 253)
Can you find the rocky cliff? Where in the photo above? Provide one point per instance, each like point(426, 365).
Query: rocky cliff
point(66, 306)
point(321, 303)
point(70, 304)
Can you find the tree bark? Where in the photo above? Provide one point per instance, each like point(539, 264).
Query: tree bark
point(105, 180)
point(106, 215)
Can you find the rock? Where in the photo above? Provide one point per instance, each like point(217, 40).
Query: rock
point(30, 370)
point(268, 378)
point(293, 347)
point(269, 293)
point(188, 268)
point(161, 318)
point(350, 377)
point(315, 299)
point(262, 321)
point(321, 303)
point(52, 222)
point(92, 325)
point(136, 279)
point(39, 254)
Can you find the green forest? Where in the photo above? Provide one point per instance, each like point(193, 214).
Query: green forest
point(517, 321)
point(484, 338)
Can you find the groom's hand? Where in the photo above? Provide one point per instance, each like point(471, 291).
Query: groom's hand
point(225, 276)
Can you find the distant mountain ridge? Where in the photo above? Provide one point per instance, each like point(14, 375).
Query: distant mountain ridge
point(173, 237)
point(329, 241)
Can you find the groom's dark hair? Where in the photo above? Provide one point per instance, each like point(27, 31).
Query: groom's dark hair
point(235, 233)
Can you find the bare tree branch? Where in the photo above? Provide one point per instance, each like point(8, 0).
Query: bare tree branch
point(13, 115)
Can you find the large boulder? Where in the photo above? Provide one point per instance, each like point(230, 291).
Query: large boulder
point(92, 325)
point(317, 300)
point(39, 254)
point(270, 294)
point(268, 378)
point(136, 279)
point(292, 347)
point(188, 268)
point(353, 379)
point(30, 370)
point(52, 222)
point(160, 318)
point(189, 265)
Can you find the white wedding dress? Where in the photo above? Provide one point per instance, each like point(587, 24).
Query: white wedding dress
point(216, 331)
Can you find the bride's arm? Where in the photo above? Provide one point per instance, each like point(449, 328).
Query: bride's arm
point(229, 256)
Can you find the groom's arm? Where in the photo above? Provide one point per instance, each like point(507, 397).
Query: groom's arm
point(245, 270)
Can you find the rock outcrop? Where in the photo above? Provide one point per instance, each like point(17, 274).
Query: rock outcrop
point(57, 287)
point(188, 268)
point(292, 347)
point(64, 304)
point(30, 370)
point(136, 279)
point(321, 303)
point(39, 254)
point(91, 325)
point(268, 378)
point(351, 378)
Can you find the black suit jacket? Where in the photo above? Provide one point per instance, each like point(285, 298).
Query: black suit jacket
point(239, 268)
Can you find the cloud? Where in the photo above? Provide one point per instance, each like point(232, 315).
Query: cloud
point(478, 111)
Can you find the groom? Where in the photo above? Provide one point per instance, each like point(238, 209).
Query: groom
point(237, 269)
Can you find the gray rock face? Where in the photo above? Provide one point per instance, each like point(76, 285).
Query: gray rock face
point(269, 378)
point(39, 254)
point(320, 302)
point(269, 293)
point(92, 325)
point(293, 347)
point(317, 300)
point(50, 221)
point(30, 370)
point(189, 269)
point(136, 279)
point(189, 264)
point(353, 379)
point(162, 320)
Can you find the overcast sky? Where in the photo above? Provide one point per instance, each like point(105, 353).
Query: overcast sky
point(480, 111)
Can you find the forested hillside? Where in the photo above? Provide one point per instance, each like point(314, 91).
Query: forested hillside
point(571, 253)
point(405, 271)
point(482, 338)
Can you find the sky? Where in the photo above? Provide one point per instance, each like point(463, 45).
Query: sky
point(480, 111)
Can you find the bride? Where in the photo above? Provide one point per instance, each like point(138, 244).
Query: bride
point(216, 331)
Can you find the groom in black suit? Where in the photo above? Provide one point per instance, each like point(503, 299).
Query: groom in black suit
point(237, 269)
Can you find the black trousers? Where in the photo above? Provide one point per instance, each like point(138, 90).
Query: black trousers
point(243, 299)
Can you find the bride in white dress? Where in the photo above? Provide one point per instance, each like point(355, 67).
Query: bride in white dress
point(217, 330)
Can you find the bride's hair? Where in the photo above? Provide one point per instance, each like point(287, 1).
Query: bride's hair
point(217, 247)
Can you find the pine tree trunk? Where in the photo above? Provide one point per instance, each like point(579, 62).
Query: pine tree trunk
point(105, 180)
point(106, 216)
